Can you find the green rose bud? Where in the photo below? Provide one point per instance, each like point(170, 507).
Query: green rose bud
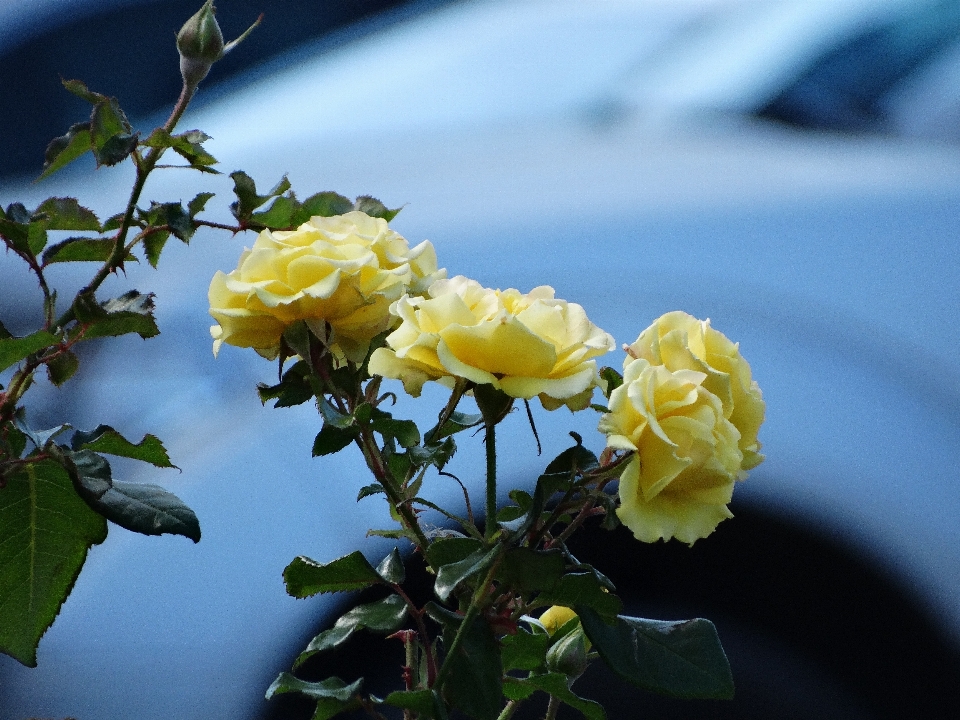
point(200, 44)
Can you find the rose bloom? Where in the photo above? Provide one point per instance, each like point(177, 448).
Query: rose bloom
point(687, 456)
point(679, 341)
point(526, 345)
point(344, 270)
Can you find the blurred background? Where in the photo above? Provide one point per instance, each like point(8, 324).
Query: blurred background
point(788, 168)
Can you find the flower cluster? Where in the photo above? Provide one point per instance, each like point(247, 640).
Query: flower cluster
point(688, 408)
point(344, 270)
point(690, 411)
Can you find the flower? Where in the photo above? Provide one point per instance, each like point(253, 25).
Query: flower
point(555, 617)
point(343, 270)
point(687, 456)
point(680, 341)
point(523, 344)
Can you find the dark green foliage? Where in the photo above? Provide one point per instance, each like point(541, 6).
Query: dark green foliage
point(384, 616)
point(449, 576)
point(45, 532)
point(13, 350)
point(305, 577)
point(333, 695)
point(682, 659)
point(374, 208)
point(146, 509)
point(475, 681)
point(132, 312)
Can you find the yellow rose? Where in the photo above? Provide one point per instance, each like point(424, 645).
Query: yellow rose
point(344, 270)
point(681, 342)
point(687, 456)
point(524, 344)
point(556, 617)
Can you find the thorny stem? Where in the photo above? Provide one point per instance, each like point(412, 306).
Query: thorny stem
point(144, 169)
point(422, 629)
point(22, 379)
point(368, 445)
point(586, 511)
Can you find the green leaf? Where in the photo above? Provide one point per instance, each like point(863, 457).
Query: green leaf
point(115, 149)
point(405, 432)
point(368, 490)
point(15, 227)
point(682, 659)
point(293, 389)
point(573, 461)
point(13, 350)
point(104, 439)
point(425, 703)
point(62, 367)
point(374, 208)
point(198, 203)
point(14, 440)
point(153, 245)
point(132, 312)
point(437, 454)
point(449, 576)
point(110, 132)
point(279, 215)
point(141, 508)
point(67, 214)
point(333, 695)
point(45, 532)
point(383, 616)
point(79, 88)
point(391, 568)
point(332, 416)
point(332, 439)
point(457, 422)
point(305, 577)
point(148, 510)
point(247, 198)
point(583, 589)
point(323, 204)
point(189, 145)
point(38, 437)
point(529, 570)
point(172, 216)
point(475, 683)
point(81, 249)
point(524, 650)
point(522, 524)
point(65, 149)
point(612, 378)
point(554, 684)
point(446, 551)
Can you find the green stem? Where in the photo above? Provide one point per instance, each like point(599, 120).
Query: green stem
point(458, 390)
point(491, 445)
point(371, 454)
point(552, 708)
point(509, 709)
point(473, 610)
